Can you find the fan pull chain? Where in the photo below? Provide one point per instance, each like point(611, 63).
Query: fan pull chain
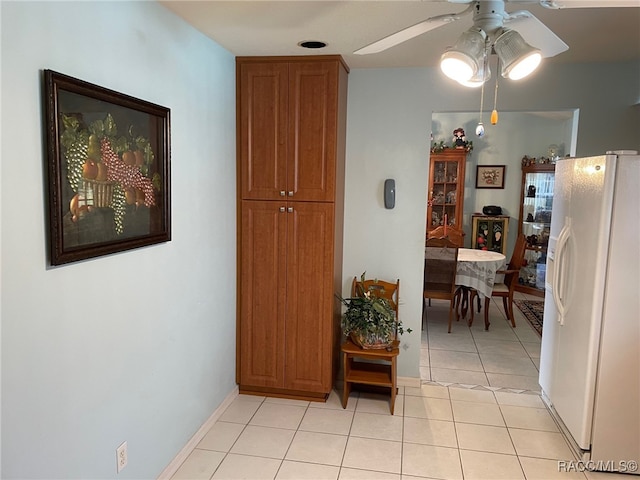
point(480, 127)
point(494, 113)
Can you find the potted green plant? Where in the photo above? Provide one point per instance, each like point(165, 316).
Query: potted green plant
point(370, 320)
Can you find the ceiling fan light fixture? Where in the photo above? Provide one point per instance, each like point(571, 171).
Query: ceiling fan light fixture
point(525, 66)
point(479, 78)
point(518, 58)
point(464, 59)
point(457, 67)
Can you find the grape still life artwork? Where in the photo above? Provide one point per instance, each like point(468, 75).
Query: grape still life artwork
point(108, 157)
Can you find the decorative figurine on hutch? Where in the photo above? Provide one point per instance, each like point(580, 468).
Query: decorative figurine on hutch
point(459, 139)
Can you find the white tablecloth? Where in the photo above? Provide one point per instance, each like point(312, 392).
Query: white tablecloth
point(477, 269)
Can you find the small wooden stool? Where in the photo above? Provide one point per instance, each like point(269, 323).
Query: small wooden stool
point(377, 374)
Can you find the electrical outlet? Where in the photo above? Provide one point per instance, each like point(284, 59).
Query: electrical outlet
point(121, 457)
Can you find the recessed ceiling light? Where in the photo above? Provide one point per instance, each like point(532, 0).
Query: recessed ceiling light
point(312, 44)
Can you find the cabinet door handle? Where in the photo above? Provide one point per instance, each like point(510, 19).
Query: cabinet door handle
point(290, 209)
point(282, 209)
point(291, 193)
point(282, 193)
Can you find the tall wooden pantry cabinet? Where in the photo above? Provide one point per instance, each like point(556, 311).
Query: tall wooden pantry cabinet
point(291, 121)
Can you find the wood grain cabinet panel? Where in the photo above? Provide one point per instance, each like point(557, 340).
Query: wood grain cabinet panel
point(261, 295)
point(309, 296)
point(291, 139)
point(286, 295)
point(263, 129)
point(288, 130)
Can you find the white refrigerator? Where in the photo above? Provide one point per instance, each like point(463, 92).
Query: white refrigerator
point(590, 354)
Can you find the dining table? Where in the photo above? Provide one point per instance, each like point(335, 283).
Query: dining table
point(477, 269)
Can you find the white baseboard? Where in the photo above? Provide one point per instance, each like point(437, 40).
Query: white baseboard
point(182, 455)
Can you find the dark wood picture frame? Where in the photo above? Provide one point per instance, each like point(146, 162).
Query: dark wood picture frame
point(490, 176)
point(108, 164)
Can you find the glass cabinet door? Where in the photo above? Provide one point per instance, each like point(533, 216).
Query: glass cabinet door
point(490, 233)
point(446, 188)
point(535, 224)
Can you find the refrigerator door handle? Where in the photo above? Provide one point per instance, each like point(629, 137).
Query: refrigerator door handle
point(561, 269)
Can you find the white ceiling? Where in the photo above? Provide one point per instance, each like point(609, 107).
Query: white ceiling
point(276, 28)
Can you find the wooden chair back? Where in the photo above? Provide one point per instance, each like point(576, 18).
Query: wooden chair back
point(515, 263)
point(441, 242)
point(379, 288)
point(440, 263)
point(453, 234)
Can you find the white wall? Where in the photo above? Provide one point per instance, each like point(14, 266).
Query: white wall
point(388, 136)
point(138, 346)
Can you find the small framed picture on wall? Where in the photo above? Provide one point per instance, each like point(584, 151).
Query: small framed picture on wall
point(490, 176)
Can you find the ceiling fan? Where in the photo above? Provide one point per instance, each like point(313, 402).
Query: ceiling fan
point(510, 35)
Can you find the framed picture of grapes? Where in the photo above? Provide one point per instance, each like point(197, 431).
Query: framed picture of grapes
point(108, 165)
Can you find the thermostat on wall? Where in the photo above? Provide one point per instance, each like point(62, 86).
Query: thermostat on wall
point(389, 193)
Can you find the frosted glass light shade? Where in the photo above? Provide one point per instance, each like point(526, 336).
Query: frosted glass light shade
point(478, 79)
point(518, 58)
point(525, 66)
point(464, 59)
point(457, 67)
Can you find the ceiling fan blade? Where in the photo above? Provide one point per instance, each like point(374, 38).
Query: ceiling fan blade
point(537, 34)
point(411, 32)
point(401, 36)
point(556, 4)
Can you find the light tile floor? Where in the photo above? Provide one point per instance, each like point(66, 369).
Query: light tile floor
point(502, 357)
point(438, 432)
point(483, 421)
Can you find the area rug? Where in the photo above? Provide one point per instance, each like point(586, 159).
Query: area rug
point(533, 311)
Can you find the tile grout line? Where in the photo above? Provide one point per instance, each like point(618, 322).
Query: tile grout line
point(226, 454)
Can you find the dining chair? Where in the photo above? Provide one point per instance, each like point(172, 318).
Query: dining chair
point(434, 239)
point(506, 288)
point(453, 234)
point(440, 264)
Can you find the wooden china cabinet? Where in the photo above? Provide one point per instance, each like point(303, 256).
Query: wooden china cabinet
point(291, 119)
point(536, 202)
point(446, 188)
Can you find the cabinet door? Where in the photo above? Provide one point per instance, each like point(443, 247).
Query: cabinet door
point(309, 311)
point(490, 233)
point(446, 189)
point(263, 127)
point(263, 280)
point(313, 102)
